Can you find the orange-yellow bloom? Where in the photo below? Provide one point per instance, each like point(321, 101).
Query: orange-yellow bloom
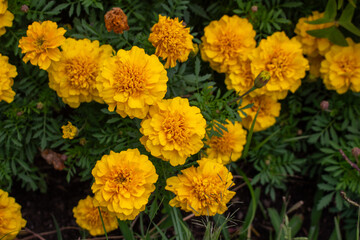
point(132, 81)
point(341, 68)
point(7, 73)
point(87, 217)
point(6, 18)
point(173, 130)
point(69, 131)
point(41, 43)
point(3, 6)
point(123, 183)
point(172, 40)
point(240, 78)
point(227, 42)
point(203, 190)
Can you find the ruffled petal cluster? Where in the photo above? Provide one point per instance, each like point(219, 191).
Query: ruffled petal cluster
point(172, 40)
point(203, 190)
point(132, 81)
point(312, 46)
point(69, 131)
point(269, 110)
point(116, 20)
point(41, 43)
point(74, 76)
point(283, 59)
point(87, 217)
point(229, 146)
point(227, 42)
point(341, 68)
point(11, 220)
point(240, 78)
point(173, 130)
point(6, 17)
point(123, 183)
point(7, 73)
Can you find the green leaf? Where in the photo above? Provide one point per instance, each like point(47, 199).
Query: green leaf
point(325, 201)
point(291, 4)
point(332, 33)
point(126, 230)
point(275, 219)
point(347, 14)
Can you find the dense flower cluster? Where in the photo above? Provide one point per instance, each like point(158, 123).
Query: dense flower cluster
point(123, 183)
point(240, 78)
point(172, 40)
point(88, 217)
point(131, 81)
point(11, 221)
point(203, 190)
point(73, 77)
point(116, 20)
point(7, 73)
point(229, 146)
point(173, 130)
point(227, 42)
point(6, 17)
point(41, 43)
point(69, 131)
point(341, 68)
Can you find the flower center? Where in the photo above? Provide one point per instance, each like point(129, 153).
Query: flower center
point(39, 42)
point(222, 144)
point(347, 65)
point(175, 128)
point(93, 216)
point(228, 44)
point(123, 177)
point(206, 190)
point(278, 64)
point(81, 72)
point(129, 78)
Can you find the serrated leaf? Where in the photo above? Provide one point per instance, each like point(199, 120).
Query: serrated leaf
point(324, 201)
point(332, 33)
point(325, 187)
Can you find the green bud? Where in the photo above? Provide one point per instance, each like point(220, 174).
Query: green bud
point(262, 79)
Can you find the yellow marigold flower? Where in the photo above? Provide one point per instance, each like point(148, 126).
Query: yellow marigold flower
point(6, 20)
point(203, 190)
point(229, 146)
point(227, 42)
point(7, 73)
point(240, 78)
point(172, 40)
point(131, 81)
point(341, 68)
point(315, 63)
point(11, 221)
point(87, 217)
point(73, 77)
point(312, 46)
point(116, 20)
point(123, 183)
point(173, 130)
point(69, 131)
point(283, 59)
point(269, 110)
point(3, 6)
point(41, 43)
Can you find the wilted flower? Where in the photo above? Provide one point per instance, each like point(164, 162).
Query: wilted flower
point(69, 131)
point(41, 43)
point(116, 20)
point(123, 183)
point(203, 190)
point(87, 217)
point(11, 221)
point(324, 105)
point(172, 40)
point(24, 8)
point(173, 130)
point(7, 73)
point(356, 153)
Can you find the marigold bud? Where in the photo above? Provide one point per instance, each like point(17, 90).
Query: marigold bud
point(116, 20)
point(24, 8)
point(324, 105)
point(195, 51)
point(19, 113)
point(254, 8)
point(39, 105)
point(356, 153)
point(82, 141)
point(262, 79)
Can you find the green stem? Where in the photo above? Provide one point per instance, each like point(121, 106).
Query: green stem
point(102, 221)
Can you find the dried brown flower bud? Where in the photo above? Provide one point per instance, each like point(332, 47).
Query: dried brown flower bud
point(24, 8)
point(116, 20)
point(82, 141)
point(39, 105)
point(262, 79)
point(254, 8)
point(19, 113)
point(356, 153)
point(324, 105)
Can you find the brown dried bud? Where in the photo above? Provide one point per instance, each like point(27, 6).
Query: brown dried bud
point(116, 20)
point(299, 132)
point(324, 105)
point(183, 23)
point(82, 141)
point(262, 79)
point(19, 113)
point(254, 8)
point(39, 105)
point(24, 8)
point(356, 153)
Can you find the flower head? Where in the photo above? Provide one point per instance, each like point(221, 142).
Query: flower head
point(131, 81)
point(312, 46)
point(6, 18)
point(269, 110)
point(116, 20)
point(172, 40)
point(240, 78)
point(69, 131)
point(227, 42)
point(10, 217)
point(123, 183)
point(41, 43)
point(3, 6)
point(341, 68)
point(203, 190)
point(229, 146)
point(74, 76)
point(173, 130)
point(7, 73)
point(87, 217)
point(283, 59)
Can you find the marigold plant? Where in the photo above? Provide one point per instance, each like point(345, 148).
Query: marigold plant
point(227, 42)
point(131, 81)
point(87, 217)
point(341, 68)
point(69, 131)
point(203, 190)
point(123, 183)
point(74, 76)
point(172, 40)
point(11, 220)
point(283, 59)
point(41, 43)
point(173, 130)
point(7, 73)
